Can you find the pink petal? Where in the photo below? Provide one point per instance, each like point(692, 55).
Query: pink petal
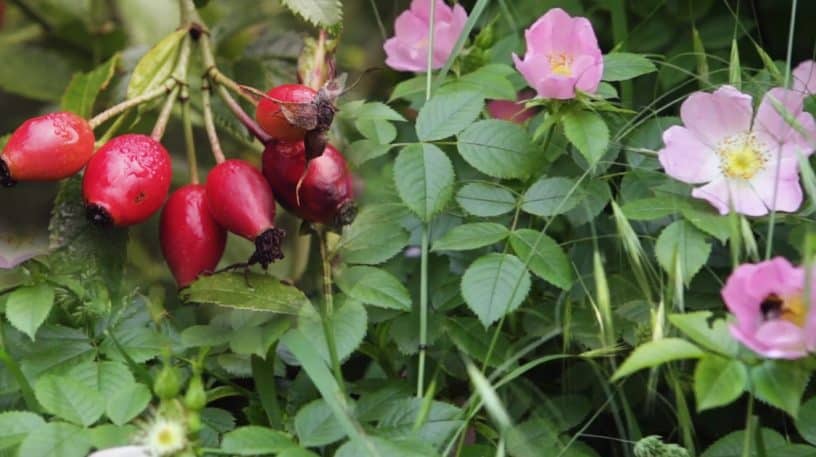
point(723, 193)
point(536, 70)
point(401, 58)
point(781, 340)
point(715, 116)
point(550, 32)
point(771, 123)
point(582, 39)
point(804, 77)
point(687, 159)
point(410, 29)
point(786, 189)
point(588, 72)
point(739, 300)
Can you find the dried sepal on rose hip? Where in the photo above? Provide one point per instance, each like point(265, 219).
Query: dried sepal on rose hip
point(192, 242)
point(46, 148)
point(126, 181)
point(320, 191)
point(240, 200)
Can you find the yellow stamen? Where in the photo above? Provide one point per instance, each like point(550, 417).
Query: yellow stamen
point(741, 156)
point(790, 308)
point(561, 64)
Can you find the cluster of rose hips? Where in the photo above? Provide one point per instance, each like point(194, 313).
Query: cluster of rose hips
point(128, 179)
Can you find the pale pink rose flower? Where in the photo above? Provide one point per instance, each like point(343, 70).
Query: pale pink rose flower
point(745, 162)
point(804, 77)
point(408, 49)
point(562, 56)
point(772, 315)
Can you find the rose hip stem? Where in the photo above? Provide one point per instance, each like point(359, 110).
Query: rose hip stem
point(209, 123)
point(242, 116)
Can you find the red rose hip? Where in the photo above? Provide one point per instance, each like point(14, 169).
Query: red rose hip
point(326, 191)
point(240, 199)
point(47, 148)
point(191, 240)
point(126, 181)
point(271, 118)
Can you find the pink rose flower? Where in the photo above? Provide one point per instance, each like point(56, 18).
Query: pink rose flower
point(747, 162)
point(408, 49)
point(772, 316)
point(804, 77)
point(562, 56)
point(512, 111)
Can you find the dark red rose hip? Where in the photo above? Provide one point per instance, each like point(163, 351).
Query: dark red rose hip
point(326, 193)
point(270, 117)
point(240, 199)
point(127, 180)
point(47, 148)
point(191, 240)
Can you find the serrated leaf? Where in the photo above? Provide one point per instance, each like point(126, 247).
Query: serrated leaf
point(718, 381)
point(470, 336)
point(551, 197)
point(204, 335)
point(805, 422)
point(382, 447)
point(471, 236)
point(447, 114)
point(69, 399)
point(139, 343)
point(323, 13)
point(702, 329)
point(780, 383)
point(27, 307)
point(491, 80)
point(658, 352)
point(56, 439)
point(485, 200)
point(373, 286)
point(621, 66)
point(648, 209)
point(495, 285)
point(497, 148)
point(399, 417)
point(251, 291)
point(128, 403)
point(57, 348)
point(82, 91)
point(361, 151)
point(424, 178)
point(15, 426)
point(543, 256)
point(157, 65)
point(316, 425)
point(106, 377)
point(375, 236)
point(682, 245)
point(348, 323)
point(255, 440)
point(588, 132)
point(258, 339)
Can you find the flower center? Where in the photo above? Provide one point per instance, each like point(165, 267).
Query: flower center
point(166, 437)
point(561, 64)
point(741, 156)
point(791, 309)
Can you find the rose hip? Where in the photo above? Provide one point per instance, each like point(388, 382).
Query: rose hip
point(270, 117)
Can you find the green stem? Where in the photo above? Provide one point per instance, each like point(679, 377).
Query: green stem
point(423, 309)
point(189, 140)
point(748, 435)
point(164, 114)
point(328, 311)
point(242, 116)
point(209, 123)
point(108, 114)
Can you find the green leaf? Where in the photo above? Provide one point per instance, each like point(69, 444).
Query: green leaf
point(683, 246)
point(495, 285)
point(497, 148)
point(15, 426)
point(424, 178)
point(709, 333)
point(321, 13)
point(588, 132)
point(718, 381)
point(707, 220)
point(107, 378)
point(139, 343)
point(780, 384)
point(485, 200)
point(381, 447)
point(551, 197)
point(108, 435)
point(204, 335)
point(448, 114)
point(69, 399)
point(56, 439)
point(348, 323)
point(128, 403)
point(543, 256)
point(731, 445)
point(620, 66)
point(658, 352)
point(57, 348)
point(27, 307)
point(34, 72)
point(361, 151)
point(80, 95)
point(473, 339)
point(157, 65)
point(373, 286)
point(255, 440)
point(251, 291)
point(297, 452)
point(805, 422)
point(380, 131)
point(649, 209)
point(375, 236)
point(491, 80)
point(471, 236)
point(316, 425)
point(399, 419)
point(370, 111)
point(258, 339)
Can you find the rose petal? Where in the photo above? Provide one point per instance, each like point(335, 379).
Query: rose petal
point(686, 158)
point(713, 117)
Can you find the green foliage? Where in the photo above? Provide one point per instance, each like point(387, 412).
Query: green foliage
point(156, 66)
point(81, 94)
point(253, 292)
point(495, 285)
point(323, 13)
point(658, 352)
point(424, 178)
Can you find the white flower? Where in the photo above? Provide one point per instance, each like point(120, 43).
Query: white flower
point(123, 451)
point(164, 437)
